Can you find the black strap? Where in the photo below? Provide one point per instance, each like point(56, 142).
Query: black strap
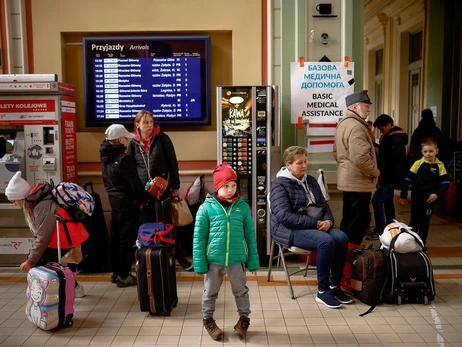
point(66, 230)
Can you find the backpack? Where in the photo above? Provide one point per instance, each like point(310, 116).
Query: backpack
point(72, 232)
point(68, 194)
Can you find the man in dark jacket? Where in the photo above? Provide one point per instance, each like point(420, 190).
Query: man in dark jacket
point(126, 194)
point(392, 165)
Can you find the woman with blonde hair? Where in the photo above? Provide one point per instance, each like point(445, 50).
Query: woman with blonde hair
point(155, 156)
point(301, 217)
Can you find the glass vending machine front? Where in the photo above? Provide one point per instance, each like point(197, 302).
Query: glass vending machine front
point(244, 120)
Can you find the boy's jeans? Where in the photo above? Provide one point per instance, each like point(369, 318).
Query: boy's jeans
point(384, 208)
point(212, 284)
point(332, 248)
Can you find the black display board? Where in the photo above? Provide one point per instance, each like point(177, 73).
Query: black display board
point(168, 76)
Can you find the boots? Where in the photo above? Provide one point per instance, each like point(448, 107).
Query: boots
point(242, 325)
point(214, 331)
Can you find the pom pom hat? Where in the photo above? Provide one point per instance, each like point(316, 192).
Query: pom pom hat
point(17, 188)
point(223, 174)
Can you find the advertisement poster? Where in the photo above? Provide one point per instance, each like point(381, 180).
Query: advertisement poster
point(318, 90)
point(236, 105)
point(68, 131)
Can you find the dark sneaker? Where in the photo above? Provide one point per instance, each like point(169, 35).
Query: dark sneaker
point(126, 282)
point(372, 237)
point(185, 264)
point(341, 296)
point(214, 331)
point(328, 299)
point(242, 325)
point(114, 278)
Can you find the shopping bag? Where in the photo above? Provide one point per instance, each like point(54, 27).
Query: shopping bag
point(74, 256)
point(181, 214)
point(323, 185)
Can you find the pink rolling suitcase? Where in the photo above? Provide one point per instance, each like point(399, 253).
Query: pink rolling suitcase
point(51, 294)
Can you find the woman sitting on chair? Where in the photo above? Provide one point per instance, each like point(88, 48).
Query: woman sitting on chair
point(294, 199)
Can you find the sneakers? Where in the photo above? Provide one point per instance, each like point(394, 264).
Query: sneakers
point(79, 291)
point(328, 299)
point(341, 296)
point(114, 278)
point(242, 325)
point(126, 282)
point(214, 331)
point(185, 264)
point(372, 237)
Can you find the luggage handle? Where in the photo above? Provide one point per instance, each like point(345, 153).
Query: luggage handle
point(58, 236)
point(162, 204)
point(89, 184)
point(403, 230)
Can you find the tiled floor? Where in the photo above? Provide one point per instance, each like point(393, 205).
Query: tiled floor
point(109, 316)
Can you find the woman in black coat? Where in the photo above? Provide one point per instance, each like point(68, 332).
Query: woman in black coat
point(155, 155)
point(292, 194)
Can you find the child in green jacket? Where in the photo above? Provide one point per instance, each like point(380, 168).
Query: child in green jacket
point(225, 244)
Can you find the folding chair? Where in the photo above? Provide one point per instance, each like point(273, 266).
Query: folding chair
point(283, 252)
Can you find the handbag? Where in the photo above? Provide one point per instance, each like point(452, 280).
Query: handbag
point(181, 214)
point(74, 256)
point(157, 186)
point(315, 211)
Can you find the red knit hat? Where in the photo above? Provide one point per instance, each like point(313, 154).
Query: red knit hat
point(223, 174)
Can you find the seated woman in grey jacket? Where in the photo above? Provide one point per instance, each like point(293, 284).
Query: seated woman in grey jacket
point(293, 224)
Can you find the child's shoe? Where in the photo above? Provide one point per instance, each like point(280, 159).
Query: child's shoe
point(79, 291)
point(214, 331)
point(114, 277)
point(242, 325)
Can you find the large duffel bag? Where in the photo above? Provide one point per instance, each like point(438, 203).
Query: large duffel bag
point(411, 276)
point(368, 275)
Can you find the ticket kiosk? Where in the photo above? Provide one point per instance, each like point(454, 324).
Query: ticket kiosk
point(37, 116)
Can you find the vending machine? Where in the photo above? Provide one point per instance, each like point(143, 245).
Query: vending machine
point(38, 119)
point(248, 130)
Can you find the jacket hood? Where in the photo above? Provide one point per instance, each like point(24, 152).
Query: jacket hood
point(40, 189)
point(397, 132)
point(108, 151)
point(284, 172)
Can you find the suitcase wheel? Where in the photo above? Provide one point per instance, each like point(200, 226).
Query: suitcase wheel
point(70, 323)
point(398, 300)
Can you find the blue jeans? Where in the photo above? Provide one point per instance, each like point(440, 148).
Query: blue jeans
point(384, 208)
point(332, 248)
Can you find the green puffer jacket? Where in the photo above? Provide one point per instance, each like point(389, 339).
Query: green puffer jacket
point(224, 237)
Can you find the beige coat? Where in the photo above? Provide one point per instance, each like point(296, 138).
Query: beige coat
point(355, 155)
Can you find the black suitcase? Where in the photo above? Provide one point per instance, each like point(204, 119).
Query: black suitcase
point(411, 276)
point(155, 270)
point(95, 249)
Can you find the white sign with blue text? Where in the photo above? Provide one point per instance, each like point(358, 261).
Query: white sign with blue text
point(318, 90)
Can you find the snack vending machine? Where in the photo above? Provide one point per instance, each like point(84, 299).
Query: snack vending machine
point(38, 119)
point(248, 125)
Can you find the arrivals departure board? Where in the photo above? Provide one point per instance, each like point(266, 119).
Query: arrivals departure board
point(168, 76)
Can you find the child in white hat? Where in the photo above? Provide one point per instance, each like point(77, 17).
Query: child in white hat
point(38, 207)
